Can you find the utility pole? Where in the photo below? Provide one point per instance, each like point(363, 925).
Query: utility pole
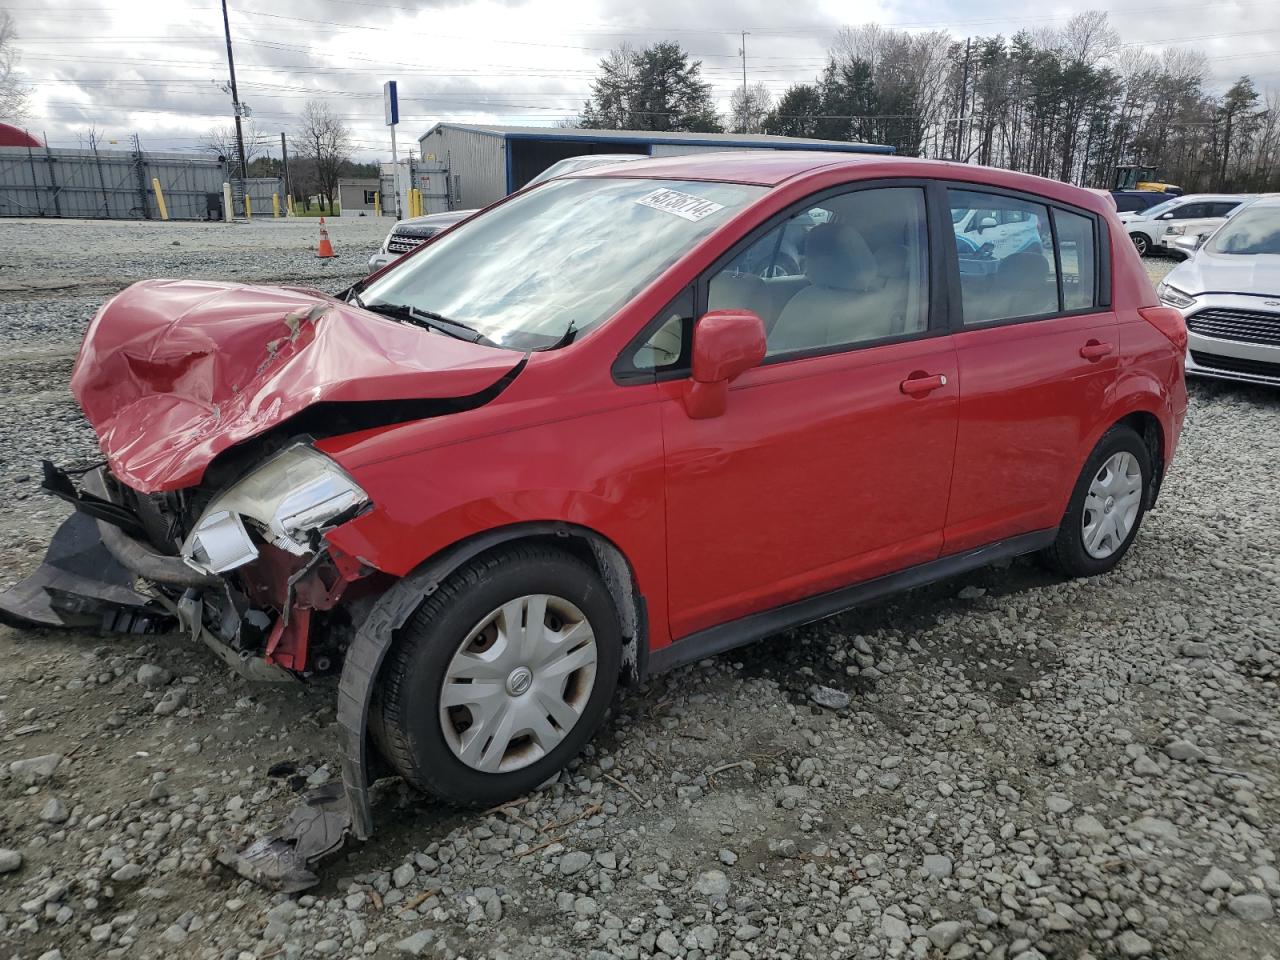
point(743, 51)
point(235, 100)
point(284, 160)
point(964, 99)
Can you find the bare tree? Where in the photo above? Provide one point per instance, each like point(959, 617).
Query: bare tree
point(1089, 38)
point(221, 141)
point(748, 107)
point(324, 139)
point(13, 92)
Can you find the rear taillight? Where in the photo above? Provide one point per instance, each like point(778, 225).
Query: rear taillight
point(1169, 322)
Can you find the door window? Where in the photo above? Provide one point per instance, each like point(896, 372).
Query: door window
point(1078, 258)
point(666, 348)
point(1191, 211)
point(851, 269)
point(1005, 251)
point(1222, 209)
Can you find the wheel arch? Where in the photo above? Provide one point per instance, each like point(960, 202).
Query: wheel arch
point(1148, 426)
point(397, 604)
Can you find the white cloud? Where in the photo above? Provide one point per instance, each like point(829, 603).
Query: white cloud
point(127, 66)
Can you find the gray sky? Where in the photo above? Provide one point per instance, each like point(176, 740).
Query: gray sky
point(155, 68)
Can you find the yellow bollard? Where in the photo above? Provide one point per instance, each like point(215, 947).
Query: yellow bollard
point(275, 204)
point(164, 211)
point(377, 204)
point(248, 207)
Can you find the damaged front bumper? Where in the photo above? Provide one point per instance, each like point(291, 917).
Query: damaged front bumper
point(100, 573)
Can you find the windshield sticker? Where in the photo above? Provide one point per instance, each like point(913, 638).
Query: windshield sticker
point(681, 204)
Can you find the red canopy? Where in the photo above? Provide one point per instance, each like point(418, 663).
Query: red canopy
point(11, 136)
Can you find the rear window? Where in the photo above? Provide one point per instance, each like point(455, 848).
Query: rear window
point(1020, 259)
point(1005, 250)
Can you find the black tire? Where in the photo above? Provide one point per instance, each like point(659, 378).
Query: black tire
point(404, 715)
point(1141, 242)
point(1068, 554)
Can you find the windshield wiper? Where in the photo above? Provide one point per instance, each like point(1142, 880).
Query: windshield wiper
point(432, 321)
point(566, 338)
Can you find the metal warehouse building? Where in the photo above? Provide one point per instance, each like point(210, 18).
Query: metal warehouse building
point(484, 163)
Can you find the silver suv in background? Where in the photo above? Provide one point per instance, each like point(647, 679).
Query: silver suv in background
point(407, 235)
point(1229, 293)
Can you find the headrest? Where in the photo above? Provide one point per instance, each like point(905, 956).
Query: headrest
point(835, 255)
point(1026, 266)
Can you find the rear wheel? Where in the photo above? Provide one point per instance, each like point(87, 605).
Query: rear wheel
point(1141, 242)
point(1106, 506)
point(501, 677)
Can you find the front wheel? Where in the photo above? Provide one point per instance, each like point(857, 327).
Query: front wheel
point(501, 676)
point(1141, 242)
point(1106, 506)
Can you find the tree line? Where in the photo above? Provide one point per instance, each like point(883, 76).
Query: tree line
point(1070, 103)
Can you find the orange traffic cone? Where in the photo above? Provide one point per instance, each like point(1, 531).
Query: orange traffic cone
point(326, 248)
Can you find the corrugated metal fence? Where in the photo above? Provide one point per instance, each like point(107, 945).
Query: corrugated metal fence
point(116, 185)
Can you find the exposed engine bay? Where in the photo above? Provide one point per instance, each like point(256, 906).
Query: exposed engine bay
point(240, 566)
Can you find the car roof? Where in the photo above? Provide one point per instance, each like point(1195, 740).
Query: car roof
point(770, 168)
point(1242, 197)
point(766, 168)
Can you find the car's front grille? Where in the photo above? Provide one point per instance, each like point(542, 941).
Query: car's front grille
point(403, 242)
point(1255, 368)
point(1246, 326)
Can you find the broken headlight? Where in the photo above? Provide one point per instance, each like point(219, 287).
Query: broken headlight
point(286, 500)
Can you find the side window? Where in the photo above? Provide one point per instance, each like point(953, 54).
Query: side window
point(1223, 209)
point(851, 269)
point(1006, 270)
point(666, 346)
point(1076, 253)
point(1190, 211)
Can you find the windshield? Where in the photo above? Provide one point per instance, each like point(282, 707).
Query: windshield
point(1160, 208)
point(554, 262)
point(1256, 230)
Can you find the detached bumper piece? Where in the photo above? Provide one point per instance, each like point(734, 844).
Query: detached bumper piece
point(285, 859)
point(80, 584)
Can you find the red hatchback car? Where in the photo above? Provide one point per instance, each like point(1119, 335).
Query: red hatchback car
point(619, 422)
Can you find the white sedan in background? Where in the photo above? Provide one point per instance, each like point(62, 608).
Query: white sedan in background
point(1153, 230)
point(1229, 293)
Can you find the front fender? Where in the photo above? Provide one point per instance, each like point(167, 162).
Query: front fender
point(392, 610)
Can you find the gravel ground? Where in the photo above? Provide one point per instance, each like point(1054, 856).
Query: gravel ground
point(1003, 766)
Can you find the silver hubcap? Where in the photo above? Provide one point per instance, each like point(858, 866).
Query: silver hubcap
point(1111, 505)
point(518, 683)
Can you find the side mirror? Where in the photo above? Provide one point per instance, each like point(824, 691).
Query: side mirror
point(1189, 245)
point(1165, 216)
point(987, 223)
point(726, 343)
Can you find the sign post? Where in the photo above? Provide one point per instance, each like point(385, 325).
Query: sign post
point(391, 108)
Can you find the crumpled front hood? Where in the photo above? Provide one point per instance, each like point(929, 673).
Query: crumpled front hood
point(1248, 275)
point(173, 372)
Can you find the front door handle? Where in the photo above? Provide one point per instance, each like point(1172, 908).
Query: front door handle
point(1095, 350)
point(918, 384)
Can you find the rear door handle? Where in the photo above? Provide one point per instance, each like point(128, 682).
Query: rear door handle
point(917, 385)
point(1095, 350)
